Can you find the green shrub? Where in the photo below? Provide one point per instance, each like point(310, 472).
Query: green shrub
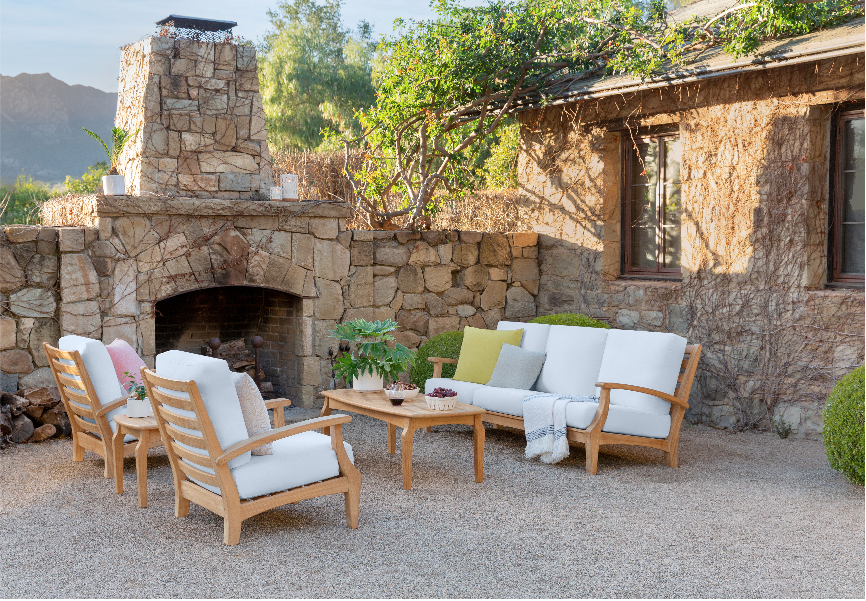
point(571, 319)
point(446, 344)
point(843, 426)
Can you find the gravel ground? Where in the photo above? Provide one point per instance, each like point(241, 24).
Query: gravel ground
point(746, 515)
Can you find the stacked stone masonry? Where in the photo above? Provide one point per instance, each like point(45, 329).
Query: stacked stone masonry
point(198, 113)
point(103, 281)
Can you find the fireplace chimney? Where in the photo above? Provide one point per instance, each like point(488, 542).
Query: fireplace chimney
point(193, 93)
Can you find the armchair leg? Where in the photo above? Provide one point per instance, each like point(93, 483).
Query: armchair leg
point(592, 456)
point(77, 449)
point(231, 530)
point(353, 503)
point(671, 458)
point(181, 505)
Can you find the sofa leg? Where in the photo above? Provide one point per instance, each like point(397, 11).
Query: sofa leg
point(591, 457)
point(671, 458)
point(231, 531)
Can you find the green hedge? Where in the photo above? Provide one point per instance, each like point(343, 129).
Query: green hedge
point(843, 426)
point(446, 344)
point(571, 319)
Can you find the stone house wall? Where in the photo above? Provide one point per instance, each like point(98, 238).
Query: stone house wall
point(103, 281)
point(755, 175)
point(202, 126)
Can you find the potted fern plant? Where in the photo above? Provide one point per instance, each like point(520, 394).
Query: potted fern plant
point(373, 360)
point(113, 183)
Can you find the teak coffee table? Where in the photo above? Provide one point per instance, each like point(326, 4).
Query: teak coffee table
point(411, 415)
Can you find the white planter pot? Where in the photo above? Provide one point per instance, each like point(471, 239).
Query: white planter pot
point(368, 383)
point(113, 185)
point(137, 408)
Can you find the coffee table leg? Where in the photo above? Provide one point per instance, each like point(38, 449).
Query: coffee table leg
point(406, 455)
point(117, 451)
point(392, 439)
point(141, 465)
point(478, 428)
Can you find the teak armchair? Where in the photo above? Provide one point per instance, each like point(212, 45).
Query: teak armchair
point(91, 427)
point(200, 465)
point(593, 437)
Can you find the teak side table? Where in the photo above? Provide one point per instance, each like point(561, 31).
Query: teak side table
point(412, 415)
point(146, 430)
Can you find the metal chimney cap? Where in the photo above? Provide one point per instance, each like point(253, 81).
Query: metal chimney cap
point(196, 23)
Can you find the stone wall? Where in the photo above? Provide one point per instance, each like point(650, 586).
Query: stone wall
point(199, 112)
point(103, 281)
point(755, 174)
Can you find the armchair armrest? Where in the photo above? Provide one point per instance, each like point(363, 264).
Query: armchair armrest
point(278, 405)
point(656, 393)
point(265, 437)
point(111, 406)
point(437, 364)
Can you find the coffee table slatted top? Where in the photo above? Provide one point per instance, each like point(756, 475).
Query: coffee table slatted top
point(412, 408)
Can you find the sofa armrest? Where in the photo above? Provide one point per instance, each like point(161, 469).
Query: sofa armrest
point(656, 393)
point(271, 435)
point(278, 405)
point(437, 364)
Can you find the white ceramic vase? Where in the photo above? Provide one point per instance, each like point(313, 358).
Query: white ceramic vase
point(368, 383)
point(138, 408)
point(113, 185)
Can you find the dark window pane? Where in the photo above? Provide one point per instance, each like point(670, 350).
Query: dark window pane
point(673, 208)
point(853, 249)
point(673, 154)
point(644, 164)
point(672, 247)
point(643, 206)
point(853, 144)
point(853, 202)
point(643, 248)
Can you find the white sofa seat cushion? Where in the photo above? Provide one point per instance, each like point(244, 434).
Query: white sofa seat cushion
point(214, 381)
point(464, 390)
point(501, 400)
point(296, 461)
point(647, 359)
point(574, 355)
point(534, 334)
point(620, 420)
point(100, 369)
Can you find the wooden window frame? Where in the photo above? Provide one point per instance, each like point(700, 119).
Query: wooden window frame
point(628, 159)
point(837, 189)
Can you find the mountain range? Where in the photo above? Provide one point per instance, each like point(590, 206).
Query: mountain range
point(40, 127)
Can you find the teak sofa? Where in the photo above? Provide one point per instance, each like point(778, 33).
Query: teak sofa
point(643, 380)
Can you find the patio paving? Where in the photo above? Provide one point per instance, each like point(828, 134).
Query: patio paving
point(746, 515)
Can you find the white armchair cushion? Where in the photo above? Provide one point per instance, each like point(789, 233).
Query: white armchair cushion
point(464, 390)
point(574, 355)
point(501, 400)
point(647, 359)
point(534, 334)
point(297, 460)
point(214, 381)
point(620, 420)
point(100, 369)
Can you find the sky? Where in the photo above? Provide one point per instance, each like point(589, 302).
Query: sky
point(78, 41)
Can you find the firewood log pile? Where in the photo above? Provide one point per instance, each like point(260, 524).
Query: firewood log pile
point(32, 415)
point(240, 359)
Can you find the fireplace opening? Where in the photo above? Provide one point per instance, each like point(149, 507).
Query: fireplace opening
point(187, 321)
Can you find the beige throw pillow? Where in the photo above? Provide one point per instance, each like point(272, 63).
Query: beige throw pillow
point(253, 408)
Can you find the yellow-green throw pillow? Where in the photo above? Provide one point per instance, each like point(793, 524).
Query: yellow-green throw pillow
point(480, 351)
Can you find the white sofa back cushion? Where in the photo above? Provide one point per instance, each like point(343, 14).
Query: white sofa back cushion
point(534, 334)
point(214, 381)
point(573, 359)
point(99, 368)
point(647, 359)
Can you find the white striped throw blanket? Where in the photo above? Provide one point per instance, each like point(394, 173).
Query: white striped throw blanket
point(544, 423)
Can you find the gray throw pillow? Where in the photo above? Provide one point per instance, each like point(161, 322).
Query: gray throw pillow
point(516, 368)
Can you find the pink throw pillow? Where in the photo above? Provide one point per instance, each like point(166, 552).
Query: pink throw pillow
point(125, 359)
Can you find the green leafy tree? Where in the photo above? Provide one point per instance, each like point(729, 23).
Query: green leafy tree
point(500, 167)
point(89, 181)
point(21, 200)
point(314, 74)
point(447, 84)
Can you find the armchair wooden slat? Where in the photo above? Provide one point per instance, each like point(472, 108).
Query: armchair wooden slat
point(80, 401)
point(227, 503)
point(593, 436)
